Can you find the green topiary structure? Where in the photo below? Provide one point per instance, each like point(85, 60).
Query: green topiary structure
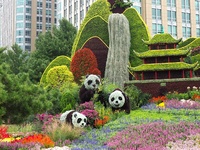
point(139, 31)
point(192, 44)
point(186, 42)
point(98, 8)
point(58, 61)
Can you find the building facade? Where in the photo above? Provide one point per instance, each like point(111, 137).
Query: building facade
point(24, 20)
point(0, 22)
point(180, 18)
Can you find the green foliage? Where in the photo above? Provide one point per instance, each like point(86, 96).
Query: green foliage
point(139, 32)
point(84, 62)
point(98, 8)
point(59, 75)
point(186, 42)
point(121, 4)
point(162, 38)
point(136, 97)
point(23, 96)
point(70, 97)
point(191, 45)
point(58, 61)
point(96, 26)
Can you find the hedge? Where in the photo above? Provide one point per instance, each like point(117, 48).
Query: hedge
point(193, 44)
point(139, 31)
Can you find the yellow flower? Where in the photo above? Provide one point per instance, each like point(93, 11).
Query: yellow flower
point(161, 105)
point(9, 139)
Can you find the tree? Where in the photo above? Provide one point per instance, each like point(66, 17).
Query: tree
point(50, 45)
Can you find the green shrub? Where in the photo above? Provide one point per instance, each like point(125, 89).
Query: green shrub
point(136, 96)
point(191, 45)
point(58, 61)
point(59, 75)
point(70, 97)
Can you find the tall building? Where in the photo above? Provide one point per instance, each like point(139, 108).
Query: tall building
point(75, 10)
point(180, 18)
point(24, 20)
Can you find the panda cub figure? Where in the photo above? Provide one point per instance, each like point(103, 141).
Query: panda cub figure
point(88, 89)
point(74, 118)
point(119, 101)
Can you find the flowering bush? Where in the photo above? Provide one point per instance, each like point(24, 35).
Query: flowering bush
point(37, 138)
point(158, 99)
point(3, 132)
point(154, 135)
point(100, 122)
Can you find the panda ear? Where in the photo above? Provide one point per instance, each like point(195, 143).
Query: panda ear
point(86, 75)
point(75, 115)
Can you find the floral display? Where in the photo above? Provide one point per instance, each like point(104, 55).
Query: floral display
point(3, 132)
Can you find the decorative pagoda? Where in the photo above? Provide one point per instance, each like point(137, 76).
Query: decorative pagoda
point(163, 60)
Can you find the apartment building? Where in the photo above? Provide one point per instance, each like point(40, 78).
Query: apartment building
point(24, 20)
point(180, 18)
point(0, 22)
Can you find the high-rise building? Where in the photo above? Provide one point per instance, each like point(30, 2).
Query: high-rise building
point(24, 20)
point(75, 10)
point(180, 18)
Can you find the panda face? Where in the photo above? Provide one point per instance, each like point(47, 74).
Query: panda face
point(92, 82)
point(79, 120)
point(116, 99)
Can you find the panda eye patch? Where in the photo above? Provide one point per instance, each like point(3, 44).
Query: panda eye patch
point(79, 120)
point(85, 120)
point(97, 81)
point(89, 82)
point(120, 98)
point(112, 99)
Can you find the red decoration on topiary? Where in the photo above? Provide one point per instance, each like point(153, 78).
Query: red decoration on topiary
point(84, 62)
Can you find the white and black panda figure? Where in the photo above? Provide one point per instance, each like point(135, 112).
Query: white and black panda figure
point(88, 89)
point(74, 118)
point(119, 101)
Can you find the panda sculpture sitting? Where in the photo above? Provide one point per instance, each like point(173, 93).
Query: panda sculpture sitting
point(88, 89)
point(119, 101)
point(74, 118)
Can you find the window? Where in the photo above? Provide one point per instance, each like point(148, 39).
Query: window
point(156, 14)
point(48, 5)
point(186, 32)
point(19, 40)
point(19, 17)
point(171, 15)
point(48, 26)
point(156, 2)
point(28, 25)
point(20, 10)
point(171, 3)
point(138, 8)
point(28, 10)
point(39, 11)
point(186, 17)
point(38, 32)
point(197, 5)
point(27, 33)
point(28, 2)
point(19, 25)
point(197, 19)
point(81, 15)
point(28, 18)
point(27, 48)
point(172, 30)
point(48, 20)
point(156, 28)
point(39, 4)
point(185, 4)
point(39, 19)
point(28, 40)
point(198, 32)
point(39, 26)
point(19, 33)
point(20, 2)
point(48, 12)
